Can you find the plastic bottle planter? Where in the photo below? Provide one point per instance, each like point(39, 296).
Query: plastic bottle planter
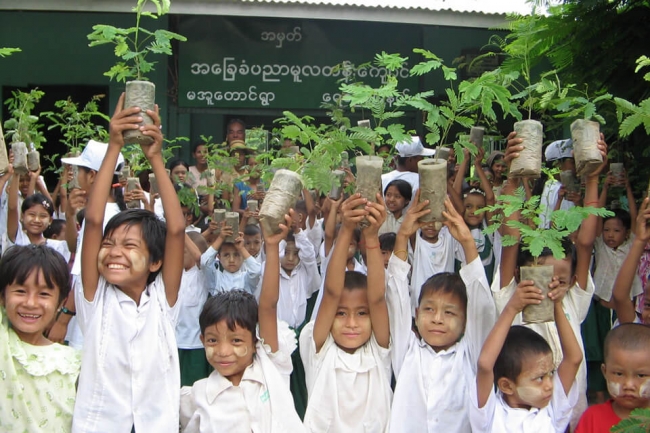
point(33, 159)
point(442, 153)
point(281, 196)
point(140, 94)
point(132, 183)
point(529, 161)
point(4, 158)
point(617, 170)
point(569, 181)
point(433, 187)
point(542, 277)
point(153, 184)
point(218, 216)
point(232, 220)
point(345, 161)
point(585, 135)
point(337, 184)
point(74, 182)
point(20, 157)
point(126, 173)
point(369, 169)
point(253, 206)
point(476, 135)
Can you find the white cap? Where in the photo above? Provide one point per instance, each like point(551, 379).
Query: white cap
point(559, 149)
point(413, 148)
point(92, 156)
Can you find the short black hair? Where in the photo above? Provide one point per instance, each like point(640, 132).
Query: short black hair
point(197, 145)
point(252, 230)
point(300, 206)
point(403, 187)
point(19, 261)
point(38, 199)
point(233, 121)
point(445, 282)
point(236, 307)
point(54, 228)
point(154, 233)
point(171, 165)
point(525, 258)
point(629, 337)
point(622, 215)
point(520, 343)
point(355, 280)
point(387, 241)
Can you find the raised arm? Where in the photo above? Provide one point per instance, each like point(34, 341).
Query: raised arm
point(526, 294)
point(623, 306)
point(13, 213)
point(631, 202)
point(172, 267)
point(122, 120)
point(335, 275)
point(268, 302)
point(587, 231)
point(572, 354)
point(330, 224)
point(376, 273)
point(462, 171)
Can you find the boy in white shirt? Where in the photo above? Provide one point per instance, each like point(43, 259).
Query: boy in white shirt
point(531, 396)
point(128, 308)
point(455, 313)
point(251, 354)
point(346, 350)
point(235, 269)
point(253, 242)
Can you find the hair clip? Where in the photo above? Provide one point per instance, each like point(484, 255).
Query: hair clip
point(45, 204)
point(474, 191)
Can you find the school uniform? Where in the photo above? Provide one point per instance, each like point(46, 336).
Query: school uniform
point(432, 387)
point(262, 403)
point(348, 392)
point(576, 305)
point(497, 417)
point(60, 246)
point(392, 224)
point(217, 280)
point(608, 263)
point(129, 370)
point(315, 235)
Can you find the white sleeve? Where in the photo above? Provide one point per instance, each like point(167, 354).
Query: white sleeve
point(481, 419)
point(398, 301)
point(253, 273)
point(86, 309)
point(481, 311)
point(315, 235)
point(187, 409)
point(562, 404)
point(577, 301)
point(307, 254)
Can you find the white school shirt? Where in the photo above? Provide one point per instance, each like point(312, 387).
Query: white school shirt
point(480, 240)
point(316, 235)
point(60, 246)
point(576, 305)
point(348, 392)
point(608, 263)
point(297, 288)
point(194, 293)
point(433, 387)
point(262, 403)
point(497, 417)
point(549, 200)
point(392, 224)
point(130, 374)
point(429, 259)
point(246, 278)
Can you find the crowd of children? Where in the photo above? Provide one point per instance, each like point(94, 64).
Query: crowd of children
point(326, 325)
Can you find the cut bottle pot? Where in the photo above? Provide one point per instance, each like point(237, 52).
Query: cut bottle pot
point(232, 220)
point(369, 169)
point(542, 277)
point(281, 196)
point(218, 216)
point(585, 135)
point(338, 176)
point(253, 206)
point(140, 94)
point(529, 161)
point(33, 159)
point(433, 187)
point(132, 183)
point(19, 150)
point(4, 158)
point(476, 135)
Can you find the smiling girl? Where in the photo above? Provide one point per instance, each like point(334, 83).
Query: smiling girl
point(38, 376)
point(398, 196)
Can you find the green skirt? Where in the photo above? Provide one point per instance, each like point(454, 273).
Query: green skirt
point(194, 366)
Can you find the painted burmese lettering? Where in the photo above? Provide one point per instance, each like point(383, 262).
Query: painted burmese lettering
point(229, 69)
point(191, 95)
point(266, 98)
point(216, 69)
point(264, 36)
point(256, 69)
point(295, 71)
point(243, 68)
point(252, 94)
point(280, 37)
point(268, 70)
point(218, 96)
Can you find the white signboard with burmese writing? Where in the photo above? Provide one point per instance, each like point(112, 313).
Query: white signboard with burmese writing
point(283, 63)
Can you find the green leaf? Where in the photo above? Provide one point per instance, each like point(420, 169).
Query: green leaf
point(4, 52)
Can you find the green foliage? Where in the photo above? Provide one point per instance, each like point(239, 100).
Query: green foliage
point(23, 125)
point(632, 116)
point(637, 422)
point(4, 52)
point(534, 238)
point(138, 162)
point(467, 102)
point(130, 44)
point(78, 126)
point(187, 197)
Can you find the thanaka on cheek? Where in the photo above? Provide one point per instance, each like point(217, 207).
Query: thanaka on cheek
point(138, 261)
point(240, 351)
point(614, 389)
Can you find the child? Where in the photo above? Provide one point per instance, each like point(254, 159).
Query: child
point(253, 241)
point(236, 268)
point(56, 230)
point(434, 372)
point(346, 350)
point(38, 376)
point(129, 305)
point(36, 213)
point(398, 196)
point(193, 290)
point(251, 355)
point(387, 245)
point(626, 369)
point(626, 275)
point(576, 287)
point(531, 396)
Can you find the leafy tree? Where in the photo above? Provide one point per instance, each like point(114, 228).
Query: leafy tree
point(23, 126)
